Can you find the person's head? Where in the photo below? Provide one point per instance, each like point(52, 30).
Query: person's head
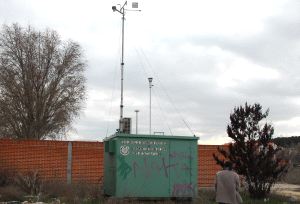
point(228, 165)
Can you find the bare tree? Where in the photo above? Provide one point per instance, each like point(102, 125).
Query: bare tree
point(42, 83)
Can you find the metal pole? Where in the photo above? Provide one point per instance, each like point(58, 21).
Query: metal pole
point(150, 86)
point(122, 73)
point(69, 163)
point(136, 121)
point(150, 111)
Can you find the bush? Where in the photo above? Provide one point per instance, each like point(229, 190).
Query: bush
point(30, 182)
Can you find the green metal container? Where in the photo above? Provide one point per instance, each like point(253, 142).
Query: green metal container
point(150, 166)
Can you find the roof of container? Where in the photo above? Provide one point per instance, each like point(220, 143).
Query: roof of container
point(147, 136)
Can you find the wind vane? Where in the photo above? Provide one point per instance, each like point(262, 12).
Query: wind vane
point(135, 5)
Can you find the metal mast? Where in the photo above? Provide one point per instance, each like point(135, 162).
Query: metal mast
point(136, 121)
point(150, 86)
point(122, 12)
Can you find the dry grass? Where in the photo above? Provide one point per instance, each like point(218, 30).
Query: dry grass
point(83, 193)
point(11, 192)
point(76, 193)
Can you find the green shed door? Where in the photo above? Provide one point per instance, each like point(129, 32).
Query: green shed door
point(183, 174)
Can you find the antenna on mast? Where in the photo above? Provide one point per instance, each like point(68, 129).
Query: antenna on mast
point(122, 10)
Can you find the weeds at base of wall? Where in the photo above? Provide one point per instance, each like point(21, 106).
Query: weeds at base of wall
point(7, 177)
point(11, 192)
point(30, 187)
point(8, 189)
point(30, 182)
point(80, 192)
point(51, 191)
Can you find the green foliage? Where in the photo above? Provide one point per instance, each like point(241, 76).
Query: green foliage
point(252, 152)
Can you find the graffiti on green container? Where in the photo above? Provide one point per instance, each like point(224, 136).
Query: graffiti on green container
point(148, 167)
point(124, 168)
point(184, 189)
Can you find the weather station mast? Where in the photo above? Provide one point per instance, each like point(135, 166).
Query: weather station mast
point(124, 123)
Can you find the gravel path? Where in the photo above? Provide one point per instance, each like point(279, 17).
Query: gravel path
point(291, 190)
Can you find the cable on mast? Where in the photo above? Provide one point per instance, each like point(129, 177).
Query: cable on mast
point(168, 96)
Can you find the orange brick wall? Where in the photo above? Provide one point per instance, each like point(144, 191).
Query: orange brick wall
point(207, 167)
point(50, 159)
point(87, 161)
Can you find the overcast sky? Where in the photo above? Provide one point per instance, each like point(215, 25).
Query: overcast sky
point(206, 57)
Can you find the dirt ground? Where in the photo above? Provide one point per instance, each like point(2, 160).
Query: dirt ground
point(290, 190)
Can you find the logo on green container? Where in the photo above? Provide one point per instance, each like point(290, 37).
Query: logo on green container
point(124, 150)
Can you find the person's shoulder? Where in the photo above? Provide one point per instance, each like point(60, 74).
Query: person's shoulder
point(230, 172)
point(235, 174)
